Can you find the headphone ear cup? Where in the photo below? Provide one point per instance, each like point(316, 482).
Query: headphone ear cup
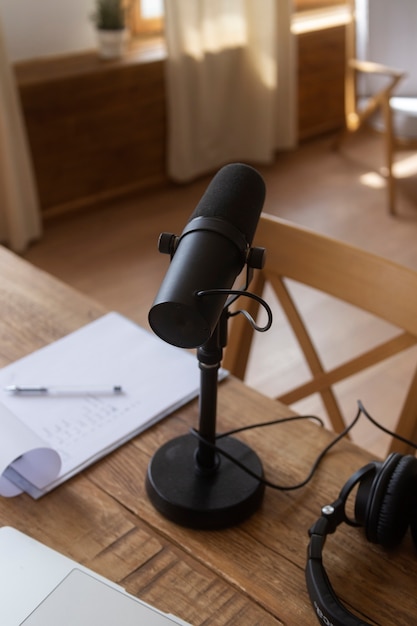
point(392, 498)
point(413, 522)
point(365, 486)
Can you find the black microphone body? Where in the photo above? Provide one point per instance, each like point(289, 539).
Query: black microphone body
point(188, 480)
point(210, 254)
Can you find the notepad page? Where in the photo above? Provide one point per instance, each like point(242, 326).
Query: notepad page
point(156, 378)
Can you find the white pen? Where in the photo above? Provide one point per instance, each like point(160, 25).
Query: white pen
point(56, 389)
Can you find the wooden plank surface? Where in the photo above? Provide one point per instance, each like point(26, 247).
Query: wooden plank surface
point(265, 556)
point(250, 574)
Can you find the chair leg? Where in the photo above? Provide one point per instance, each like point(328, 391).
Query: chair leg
point(241, 333)
point(407, 422)
point(389, 154)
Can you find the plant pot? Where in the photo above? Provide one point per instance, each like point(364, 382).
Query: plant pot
point(111, 43)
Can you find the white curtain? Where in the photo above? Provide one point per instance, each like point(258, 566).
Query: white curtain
point(230, 83)
point(19, 212)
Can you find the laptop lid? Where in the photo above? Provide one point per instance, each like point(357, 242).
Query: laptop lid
point(41, 587)
point(84, 600)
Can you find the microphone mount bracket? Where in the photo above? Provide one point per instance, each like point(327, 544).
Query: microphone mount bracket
point(254, 256)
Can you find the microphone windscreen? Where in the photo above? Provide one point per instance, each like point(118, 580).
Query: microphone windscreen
point(236, 194)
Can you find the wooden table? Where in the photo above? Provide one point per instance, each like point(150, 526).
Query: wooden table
point(250, 574)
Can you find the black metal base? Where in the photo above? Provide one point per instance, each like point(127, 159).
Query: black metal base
point(185, 494)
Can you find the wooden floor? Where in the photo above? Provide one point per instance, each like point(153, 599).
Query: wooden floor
point(110, 253)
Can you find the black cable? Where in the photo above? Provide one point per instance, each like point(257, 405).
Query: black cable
point(384, 429)
point(280, 420)
point(261, 479)
point(361, 411)
point(247, 294)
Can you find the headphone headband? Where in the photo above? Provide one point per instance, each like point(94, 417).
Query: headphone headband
point(329, 610)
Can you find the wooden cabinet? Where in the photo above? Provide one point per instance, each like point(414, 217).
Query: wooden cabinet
point(97, 129)
point(321, 79)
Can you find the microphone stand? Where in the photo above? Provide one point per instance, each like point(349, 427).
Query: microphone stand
point(188, 480)
point(209, 360)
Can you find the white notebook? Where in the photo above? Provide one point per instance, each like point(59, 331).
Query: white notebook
point(48, 437)
point(41, 587)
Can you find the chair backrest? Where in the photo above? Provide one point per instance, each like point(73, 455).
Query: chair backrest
point(358, 111)
point(367, 281)
point(386, 78)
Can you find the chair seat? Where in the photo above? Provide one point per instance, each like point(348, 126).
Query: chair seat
point(404, 117)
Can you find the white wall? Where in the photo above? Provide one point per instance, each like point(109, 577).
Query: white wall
point(37, 28)
point(392, 38)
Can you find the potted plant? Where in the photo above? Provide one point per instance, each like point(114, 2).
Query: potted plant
point(110, 20)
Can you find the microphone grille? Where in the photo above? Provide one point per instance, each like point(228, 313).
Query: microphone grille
point(235, 194)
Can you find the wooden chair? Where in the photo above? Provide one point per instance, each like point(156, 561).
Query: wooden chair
point(369, 282)
point(359, 111)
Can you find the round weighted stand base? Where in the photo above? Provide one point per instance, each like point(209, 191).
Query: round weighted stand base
point(187, 495)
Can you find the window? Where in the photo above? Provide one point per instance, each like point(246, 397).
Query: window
point(147, 17)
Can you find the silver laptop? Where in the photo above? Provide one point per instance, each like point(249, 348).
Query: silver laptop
point(41, 587)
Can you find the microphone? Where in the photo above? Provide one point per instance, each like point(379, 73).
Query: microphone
point(209, 254)
point(195, 480)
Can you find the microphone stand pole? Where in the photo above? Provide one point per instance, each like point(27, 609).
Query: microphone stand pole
point(209, 359)
point(189, 481)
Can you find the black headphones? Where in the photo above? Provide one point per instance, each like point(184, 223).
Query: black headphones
point(385, 506)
